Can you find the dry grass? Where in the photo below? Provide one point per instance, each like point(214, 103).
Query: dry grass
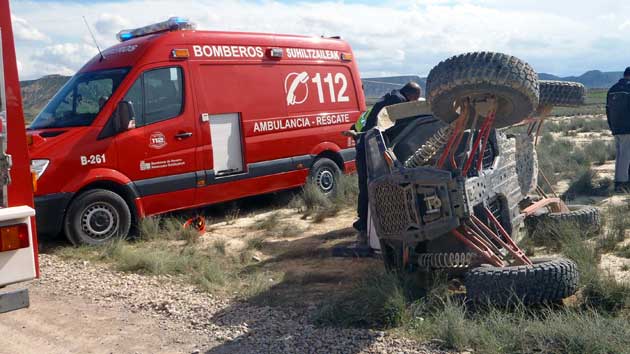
point(232, 215)
point(165, 247)
point(311, 202)
point(596, 321)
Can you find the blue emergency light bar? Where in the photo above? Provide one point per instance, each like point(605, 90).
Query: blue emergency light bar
point(172, 24)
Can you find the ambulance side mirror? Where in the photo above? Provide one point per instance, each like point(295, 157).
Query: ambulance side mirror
point(124, 114)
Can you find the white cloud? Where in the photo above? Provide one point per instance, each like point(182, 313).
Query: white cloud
point(24, 31)
point(109, 24)
point(394, 38)
point(63, 58)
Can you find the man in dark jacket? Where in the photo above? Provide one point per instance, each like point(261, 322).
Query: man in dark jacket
point(618, 113)
point(410, 92)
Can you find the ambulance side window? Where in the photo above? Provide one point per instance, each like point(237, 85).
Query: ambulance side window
point(157, 95)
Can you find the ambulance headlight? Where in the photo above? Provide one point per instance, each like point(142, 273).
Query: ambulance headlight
point(39, 166)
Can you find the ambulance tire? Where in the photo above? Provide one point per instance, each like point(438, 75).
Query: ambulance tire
point(96, 217)
point(325, 175)
point(512, 81)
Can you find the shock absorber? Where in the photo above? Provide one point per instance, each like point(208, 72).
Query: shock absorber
point(445, 260)
point(431, 147)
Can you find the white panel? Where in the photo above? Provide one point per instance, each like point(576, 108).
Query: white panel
point(225, 131)
point(18, 265)
point(371, 234)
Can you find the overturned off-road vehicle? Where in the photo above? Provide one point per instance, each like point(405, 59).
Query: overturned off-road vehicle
point(450, 189)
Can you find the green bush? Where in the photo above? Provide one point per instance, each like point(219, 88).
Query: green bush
point(559, 159)
point(377, 301)
point(585, 184)
point(600, 151)
point(312, 202)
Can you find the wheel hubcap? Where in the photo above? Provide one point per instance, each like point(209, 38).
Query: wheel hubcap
point(326, 180)
point(100, 220)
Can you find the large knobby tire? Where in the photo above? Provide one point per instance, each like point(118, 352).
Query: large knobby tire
point(548, 280)
point(584, 218)
point(97, 216)
point(561, 93)
point(511, 80)
point(325, 175)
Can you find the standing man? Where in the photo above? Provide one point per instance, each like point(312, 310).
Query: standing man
point(368, 120)
point(618, 113)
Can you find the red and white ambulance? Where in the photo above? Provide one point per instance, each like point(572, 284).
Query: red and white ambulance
point(18, 241)
point(174, 118)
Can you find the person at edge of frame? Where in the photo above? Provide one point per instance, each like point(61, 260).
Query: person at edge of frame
point(368, 120)
point(618, 114)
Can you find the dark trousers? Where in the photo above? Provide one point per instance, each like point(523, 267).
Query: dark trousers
point(362, 202)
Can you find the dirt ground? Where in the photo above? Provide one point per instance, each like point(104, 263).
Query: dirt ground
point(62, 323)
point(81, 307)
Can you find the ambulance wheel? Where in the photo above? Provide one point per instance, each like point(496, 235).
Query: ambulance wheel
point(325, 175)
point(512, 81)
point(97, 216)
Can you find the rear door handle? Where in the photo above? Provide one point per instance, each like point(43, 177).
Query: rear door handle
point(183, 135)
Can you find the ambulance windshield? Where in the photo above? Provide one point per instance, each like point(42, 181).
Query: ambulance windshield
point(80, 100)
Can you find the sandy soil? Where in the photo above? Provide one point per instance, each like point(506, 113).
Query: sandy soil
point(61, 323)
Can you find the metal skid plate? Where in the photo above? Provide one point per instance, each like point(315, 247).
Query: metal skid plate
point(500, 181)
point(416, 205)
point(526, 163)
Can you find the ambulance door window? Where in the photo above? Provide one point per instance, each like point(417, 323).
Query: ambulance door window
point(134, 96)
point(163, 94)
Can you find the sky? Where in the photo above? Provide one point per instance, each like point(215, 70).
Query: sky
point(561, 37)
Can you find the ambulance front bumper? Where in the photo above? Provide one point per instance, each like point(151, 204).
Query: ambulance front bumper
point(50, 210)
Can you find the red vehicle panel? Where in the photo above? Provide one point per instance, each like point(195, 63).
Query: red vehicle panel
point(176, 118)
point(18, 237)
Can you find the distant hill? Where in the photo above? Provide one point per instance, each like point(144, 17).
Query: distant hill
point(374, 87)
point(590, 79)
point(36, 93)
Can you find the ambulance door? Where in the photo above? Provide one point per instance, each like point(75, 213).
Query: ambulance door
point(226, 137)
point(158, 150)
point(230, 99)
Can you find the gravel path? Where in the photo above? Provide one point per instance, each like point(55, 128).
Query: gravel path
point(220, 325)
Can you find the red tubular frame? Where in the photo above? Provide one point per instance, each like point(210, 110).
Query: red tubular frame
point(474, 233)
point(475, 243)
point(460, 125)
point(508, 243)
point(483, 135)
